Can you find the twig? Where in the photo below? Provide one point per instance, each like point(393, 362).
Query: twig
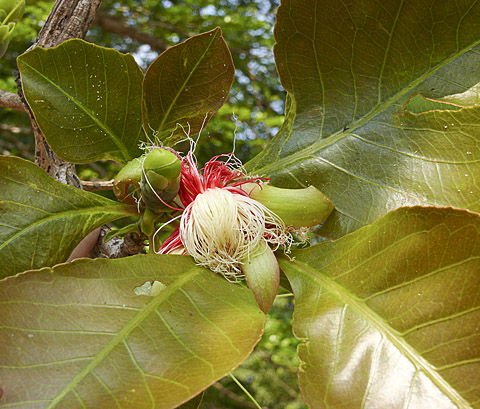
point(233, 396)
point(117, 247)
point(11, 100)
point(92, 185)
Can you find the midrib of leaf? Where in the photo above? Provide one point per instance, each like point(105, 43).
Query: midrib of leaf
point(125, 331)
point(177, 95)
point(322, 144)
point(61, 215)
point(121, 147)
point(378, 323)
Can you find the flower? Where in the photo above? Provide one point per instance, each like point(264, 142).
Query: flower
point(221, 226)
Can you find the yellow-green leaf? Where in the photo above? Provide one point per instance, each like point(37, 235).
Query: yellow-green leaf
point(355, 73)
point(42, 220)
point(78, 336)
point(389, 316)
point(86, 100)
point(186, 85)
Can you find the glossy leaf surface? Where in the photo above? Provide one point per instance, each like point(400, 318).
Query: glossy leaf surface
point(86, 99)
point(383, 108)
point(42, 220)
point(389, 316)
point(78, 336)
point(186, 85)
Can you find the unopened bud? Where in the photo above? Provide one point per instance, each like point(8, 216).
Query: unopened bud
point(10, 12)
point(130, 175)
point(262, 274)
point(296, 207)
point(5, 36)
point(5, 32)
point(160, 180)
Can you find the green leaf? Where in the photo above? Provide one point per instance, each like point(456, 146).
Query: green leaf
point(186, 85)
point(355, 73)
point(77, 335)
point(86, 100)
point(42, 220)
point(389, 315)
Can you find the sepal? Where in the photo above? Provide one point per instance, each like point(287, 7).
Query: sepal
point(296, 207)
point(262, 274)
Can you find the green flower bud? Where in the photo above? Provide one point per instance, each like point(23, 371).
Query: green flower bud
point(11, 10)
point(262, 274)
point(5, 32)
point(160, 180)
point(5, 36)
point(296, 207)
point(130, 175)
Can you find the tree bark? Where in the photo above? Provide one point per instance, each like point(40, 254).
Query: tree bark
point(68, 19)
point(11, 100)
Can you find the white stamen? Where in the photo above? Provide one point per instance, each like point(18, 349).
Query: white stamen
point(220, 228)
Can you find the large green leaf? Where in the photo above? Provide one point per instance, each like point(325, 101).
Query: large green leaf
point(86, 99)
point(389, 316)
point(78, 336)
point(42, 220)
point(360, 127)
point(186, 85)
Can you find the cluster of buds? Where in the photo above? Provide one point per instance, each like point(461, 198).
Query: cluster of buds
point(11, 11)
point(227, 221)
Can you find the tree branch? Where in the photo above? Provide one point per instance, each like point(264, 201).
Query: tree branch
point(92, 185)
point(68, 19)
point(11, 100)
point(117, 26)
point(117, 247)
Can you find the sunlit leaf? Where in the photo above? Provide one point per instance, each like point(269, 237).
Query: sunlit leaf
point(186, 85)
point(389, 316)
point(77, 335)
point(372, 121)
point(42, 220)
point(86, 99)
